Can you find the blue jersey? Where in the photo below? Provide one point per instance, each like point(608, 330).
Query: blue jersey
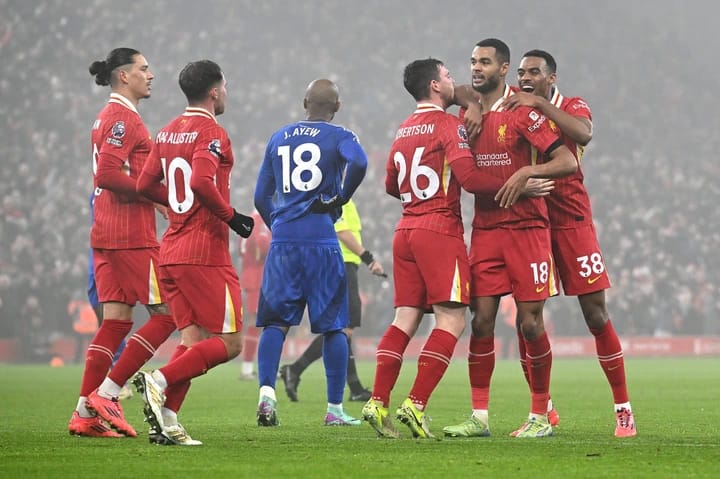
point(305, 161)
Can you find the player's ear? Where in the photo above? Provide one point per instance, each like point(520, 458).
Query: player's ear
point(305, 106)
point(122, 75)
point(337, 106)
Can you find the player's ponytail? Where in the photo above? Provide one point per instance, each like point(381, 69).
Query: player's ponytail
point(102, 69)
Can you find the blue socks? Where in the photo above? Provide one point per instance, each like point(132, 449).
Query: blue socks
point(335, 359)
point(269, 350)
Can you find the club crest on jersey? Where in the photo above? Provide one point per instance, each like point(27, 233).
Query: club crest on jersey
point(553, 126)
point(214, 148)
point(118, 129)
point(533, 115)
point(501, 133)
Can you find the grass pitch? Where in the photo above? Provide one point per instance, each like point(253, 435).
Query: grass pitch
point(676, 404)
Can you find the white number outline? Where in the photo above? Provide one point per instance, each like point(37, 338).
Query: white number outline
point(169, 170)
point(416, 171)
point(292, 176)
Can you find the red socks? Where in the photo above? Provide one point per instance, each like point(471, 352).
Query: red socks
point(539, 364)
point(481, 364)
point(523, 354)
point(194, 362)
point(389, 357)
point(175, 393)
point(141, 347)
point(101, 351)
point(610, 355)
point(432, 364)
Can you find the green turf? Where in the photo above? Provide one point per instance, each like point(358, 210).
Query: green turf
point(676, 403)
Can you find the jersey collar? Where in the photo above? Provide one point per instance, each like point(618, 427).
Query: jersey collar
point(496, 106)
point(425, 107)
point(197, 111)
point(556, 98)
point(118, 98)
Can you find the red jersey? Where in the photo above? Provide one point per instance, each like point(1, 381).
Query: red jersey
point(418, 170)
point(508, 141)
point(569, 203)
point(120, 143)
point(194, 155)
point(253, 251)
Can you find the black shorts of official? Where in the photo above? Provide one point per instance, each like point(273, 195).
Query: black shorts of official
point(351, 271)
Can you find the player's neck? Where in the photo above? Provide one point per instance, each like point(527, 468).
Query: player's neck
point(551, 93)
point(125, 93)
point(489, 99)
point(325, 118)
point(435, 100)
point(208, 106)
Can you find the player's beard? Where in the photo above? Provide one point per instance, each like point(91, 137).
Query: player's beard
point(491, 83)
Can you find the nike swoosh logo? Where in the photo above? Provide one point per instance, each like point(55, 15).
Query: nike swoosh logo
point(592, 280)
point(539, 289)
point(613, 368)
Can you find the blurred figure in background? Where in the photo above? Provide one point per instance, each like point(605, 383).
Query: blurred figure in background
point(253, 251)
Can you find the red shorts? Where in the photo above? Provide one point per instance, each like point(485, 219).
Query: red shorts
point(579, 261)
point(250, 304)
point(429, 268)
point(517, 261)
point(206, 296)
point(127, 276)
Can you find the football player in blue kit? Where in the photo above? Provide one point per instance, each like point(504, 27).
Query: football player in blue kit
point(311, 168)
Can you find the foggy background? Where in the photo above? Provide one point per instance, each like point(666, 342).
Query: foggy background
point(647, 69)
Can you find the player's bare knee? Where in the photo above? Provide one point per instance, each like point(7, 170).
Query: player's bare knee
point(482, 326)
point(532, 328)
point(596, 318)
point(161, 308)
point(233, 344)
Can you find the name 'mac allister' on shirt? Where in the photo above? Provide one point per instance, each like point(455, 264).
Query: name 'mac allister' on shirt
point(194, 155)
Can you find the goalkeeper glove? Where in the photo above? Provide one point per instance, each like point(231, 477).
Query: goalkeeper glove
point(241, 224)
point(322, 205)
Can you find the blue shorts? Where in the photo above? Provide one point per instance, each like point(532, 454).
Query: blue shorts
point(303, 274)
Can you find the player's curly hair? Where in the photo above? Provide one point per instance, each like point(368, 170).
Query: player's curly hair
point(102, 69)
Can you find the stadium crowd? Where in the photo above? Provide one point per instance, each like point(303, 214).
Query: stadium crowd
point(650, 170)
